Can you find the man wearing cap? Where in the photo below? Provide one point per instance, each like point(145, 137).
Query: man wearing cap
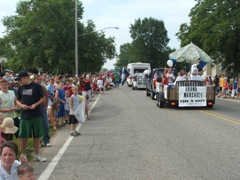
point(30, 97)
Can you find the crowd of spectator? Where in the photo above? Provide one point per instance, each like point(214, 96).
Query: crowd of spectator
point(31, 103)
point(226, 86)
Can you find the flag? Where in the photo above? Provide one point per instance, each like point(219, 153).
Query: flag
point(124, 73)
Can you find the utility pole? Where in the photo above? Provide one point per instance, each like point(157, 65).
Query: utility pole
point(76, 38)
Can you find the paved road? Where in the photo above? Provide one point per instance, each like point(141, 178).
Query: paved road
point(129, 137)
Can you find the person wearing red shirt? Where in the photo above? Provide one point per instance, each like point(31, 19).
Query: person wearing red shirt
point(68, 87)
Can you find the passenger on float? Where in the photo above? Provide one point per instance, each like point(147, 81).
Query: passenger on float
point(170, 76)
point(181, 77)
point(194, 73)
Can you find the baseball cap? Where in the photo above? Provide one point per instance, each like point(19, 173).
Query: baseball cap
point(21, 74)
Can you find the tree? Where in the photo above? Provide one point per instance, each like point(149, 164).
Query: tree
point(149, 43)
point(218, 33)
point(42, 36)
point(124, 58)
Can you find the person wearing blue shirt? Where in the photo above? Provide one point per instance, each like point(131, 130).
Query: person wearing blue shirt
point(50, 90)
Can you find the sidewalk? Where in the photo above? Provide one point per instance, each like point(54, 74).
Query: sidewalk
point(58, 140)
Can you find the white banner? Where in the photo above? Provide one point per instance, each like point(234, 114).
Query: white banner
point(192, 96)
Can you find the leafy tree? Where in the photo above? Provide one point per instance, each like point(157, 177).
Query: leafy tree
point(42, 36)
point(149, 43)
point(215, 27)
point(124, 58)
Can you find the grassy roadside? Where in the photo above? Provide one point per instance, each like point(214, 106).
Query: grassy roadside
point(30, 148)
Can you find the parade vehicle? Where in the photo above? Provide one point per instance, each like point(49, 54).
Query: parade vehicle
point(153, 78)
point(134, 68)
point(139, 81)
point(187, 91)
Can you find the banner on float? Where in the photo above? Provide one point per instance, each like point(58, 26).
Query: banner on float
point(192, 96)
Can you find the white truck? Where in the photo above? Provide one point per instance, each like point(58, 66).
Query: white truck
point(134, 68)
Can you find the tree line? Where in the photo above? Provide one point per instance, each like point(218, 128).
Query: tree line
point(214, 27)
point(41, 36)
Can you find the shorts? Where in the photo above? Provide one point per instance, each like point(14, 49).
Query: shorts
point(73, 120)
point(31, 128)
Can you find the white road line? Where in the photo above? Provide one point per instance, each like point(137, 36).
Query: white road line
point(51, 166)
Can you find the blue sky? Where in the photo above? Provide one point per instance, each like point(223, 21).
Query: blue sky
point(122, 13)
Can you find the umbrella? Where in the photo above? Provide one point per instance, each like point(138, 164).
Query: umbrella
point(190, 53)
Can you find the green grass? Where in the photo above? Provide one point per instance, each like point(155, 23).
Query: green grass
point(30, 148)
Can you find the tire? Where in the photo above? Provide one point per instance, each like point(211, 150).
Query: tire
point(147, 93)
point(162, 104)
point(152, 95)
point(157, 98)
point(133, 88)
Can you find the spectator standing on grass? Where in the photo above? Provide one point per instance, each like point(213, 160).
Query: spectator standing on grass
point(225, 87)
point(30, 97)
point(221, 82)
point(235, 88)
point(8, 103)
point(100, 85)
point(44, 107)
point(68, 86)
point(50, 90)
point(60, 96)
point(67, 107)
point(44, 78)
point(117, 80)
point(86, 86)
point(7, 77)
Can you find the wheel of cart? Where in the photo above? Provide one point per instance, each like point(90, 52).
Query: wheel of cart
point(157, 99)
point(153, 95)
point(161, 99)
point(147, 93)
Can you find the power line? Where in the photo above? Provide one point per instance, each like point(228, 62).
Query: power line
point(59, 21)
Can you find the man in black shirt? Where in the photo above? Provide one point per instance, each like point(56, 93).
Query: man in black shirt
point(30, 97)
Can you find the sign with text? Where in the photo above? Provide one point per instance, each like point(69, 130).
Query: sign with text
point(192, 96)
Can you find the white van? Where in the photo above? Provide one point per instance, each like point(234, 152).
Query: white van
point(134, 68)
